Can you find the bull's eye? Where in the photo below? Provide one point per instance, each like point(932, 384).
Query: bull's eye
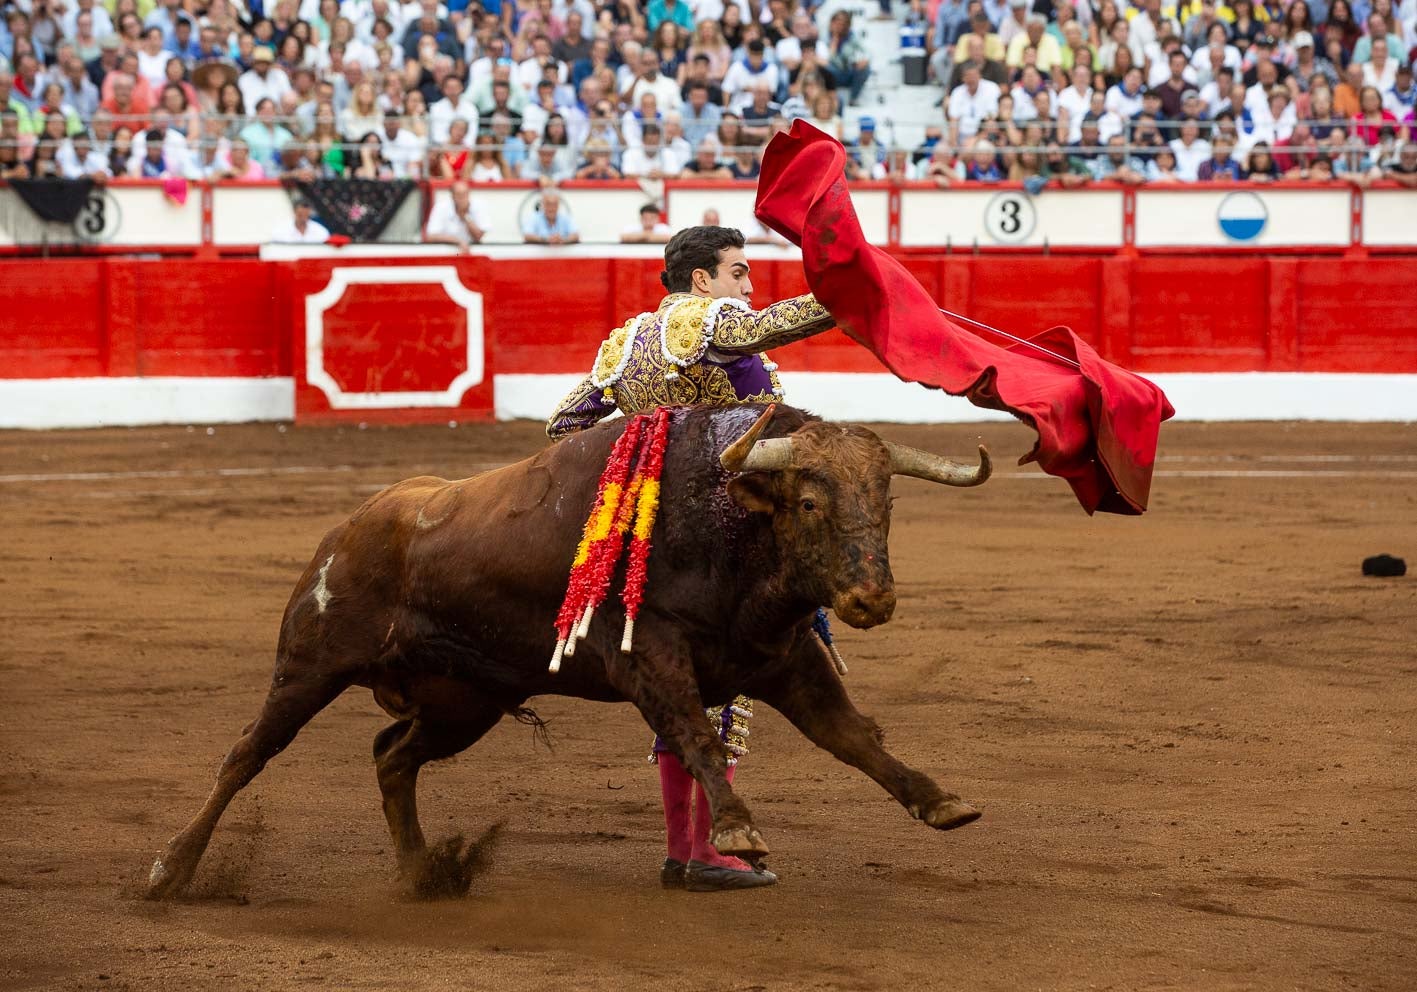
point(808, 506)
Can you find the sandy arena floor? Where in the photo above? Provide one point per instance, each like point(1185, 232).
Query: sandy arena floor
point(1192, 733)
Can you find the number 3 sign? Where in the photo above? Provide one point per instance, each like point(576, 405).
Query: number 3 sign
point(1010, 217)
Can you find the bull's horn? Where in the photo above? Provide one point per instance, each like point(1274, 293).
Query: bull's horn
point(748, 454)
point(922, 465)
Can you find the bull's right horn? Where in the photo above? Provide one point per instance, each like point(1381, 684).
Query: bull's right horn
point(748, 454)
point(932, 468)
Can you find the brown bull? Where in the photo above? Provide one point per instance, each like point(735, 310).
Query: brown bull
point(441, 597)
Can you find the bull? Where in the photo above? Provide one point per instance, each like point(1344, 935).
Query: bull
point(441, 596)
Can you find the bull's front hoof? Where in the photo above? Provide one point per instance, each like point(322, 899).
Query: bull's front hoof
point(946, 814)
point(167, 879)
point(740, 842)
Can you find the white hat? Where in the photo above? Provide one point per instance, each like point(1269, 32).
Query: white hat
point(1302, 39)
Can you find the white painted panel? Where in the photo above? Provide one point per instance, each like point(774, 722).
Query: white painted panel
point(132, 401)
point(149, 217)
point(735, 209)
point(958, 218)
point(865, 397)
point(1191, 218)
point(1390, 218)
point(248, 215)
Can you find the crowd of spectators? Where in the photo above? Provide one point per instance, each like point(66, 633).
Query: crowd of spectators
point(1193, 91)
point(549, 90)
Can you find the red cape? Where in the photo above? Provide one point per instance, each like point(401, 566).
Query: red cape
point(1097, 424)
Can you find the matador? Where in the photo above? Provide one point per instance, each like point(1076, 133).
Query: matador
point(702, 344)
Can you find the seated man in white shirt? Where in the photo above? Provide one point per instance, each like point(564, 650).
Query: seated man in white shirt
point(403, 149)
point(649, 231)
point(302, 229)
point(973, 100)
point(456, 220)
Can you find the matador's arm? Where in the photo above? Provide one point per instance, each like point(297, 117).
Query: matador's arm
point(584, 406)
point(747, 332)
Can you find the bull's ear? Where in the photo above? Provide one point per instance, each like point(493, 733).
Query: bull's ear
point(753, 491)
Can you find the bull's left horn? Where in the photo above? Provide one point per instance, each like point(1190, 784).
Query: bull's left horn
point(922, 465)
point(748, 454)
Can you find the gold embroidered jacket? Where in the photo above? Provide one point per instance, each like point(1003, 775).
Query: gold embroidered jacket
point(691, 349)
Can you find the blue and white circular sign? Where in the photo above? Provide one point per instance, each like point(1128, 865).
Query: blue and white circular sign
point(1242, 216)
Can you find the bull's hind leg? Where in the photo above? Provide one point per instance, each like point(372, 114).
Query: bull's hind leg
point(400, 750)
point(290, 705)
point(812, 697)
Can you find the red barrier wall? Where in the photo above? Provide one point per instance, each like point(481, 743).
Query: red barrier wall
point(1158, 313)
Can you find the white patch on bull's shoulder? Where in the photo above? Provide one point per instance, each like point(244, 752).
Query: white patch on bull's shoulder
point(322, 591)
point(423, 523)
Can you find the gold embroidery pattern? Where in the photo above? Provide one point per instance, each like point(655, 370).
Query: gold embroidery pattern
point(752, 331)
point(684, 327)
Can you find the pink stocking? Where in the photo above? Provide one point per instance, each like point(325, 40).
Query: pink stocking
point(703, 850)
point(676, 786)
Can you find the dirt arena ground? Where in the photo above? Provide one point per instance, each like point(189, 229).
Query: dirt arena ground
point(1192, 734)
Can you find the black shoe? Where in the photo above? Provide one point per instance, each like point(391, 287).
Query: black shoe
point(699, 877)
point(671, 876)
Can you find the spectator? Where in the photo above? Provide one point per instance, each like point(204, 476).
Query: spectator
point(897, 168)
point(363, 115)
point(403, 150)
point(1071, 171)
point(1404, 170)
point(153, 59)
point(649, 160)
point(674, 141)
point(1380, 71)
point(709, 54)
point(981, 30)
point(329, 145)
point(1346, 101)
point(1220, 166)
point(1118, 164)
point(972, 101)
point(263, 136)
point(1261, 166)
point(1401, 99)
point(549, 224)
point(598, 167)
point(706, 164)
point(1047, 53)
point(982, 165)
point(240, 165)
point(847, 57)
point(1190, 150)
point(488, 165)
point(943, 167)
point(454, 104)
point(125, 106)
point(454, 159)
point(701, 116)
point(263, 80)
point(650, 80)
point(1124, 99)
point(824, 115)
point(543, 167)
point(79, 159)
point(994, 71)
point(1073, 104)
point(120, 150)
point(1161, 167)
point(676, 11)
point(370, 162)
point(301, 229)
point(649, 231)
point(743, 166)
point(751, 73)
point(1371, 118)
point(456, 219)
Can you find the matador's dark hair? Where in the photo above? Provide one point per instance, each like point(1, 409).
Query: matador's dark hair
point(695, 248)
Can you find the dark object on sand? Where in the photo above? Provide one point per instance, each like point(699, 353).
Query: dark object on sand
point(1384, 566)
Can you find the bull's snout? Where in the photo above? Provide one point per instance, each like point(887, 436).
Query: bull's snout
point(866, 605)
